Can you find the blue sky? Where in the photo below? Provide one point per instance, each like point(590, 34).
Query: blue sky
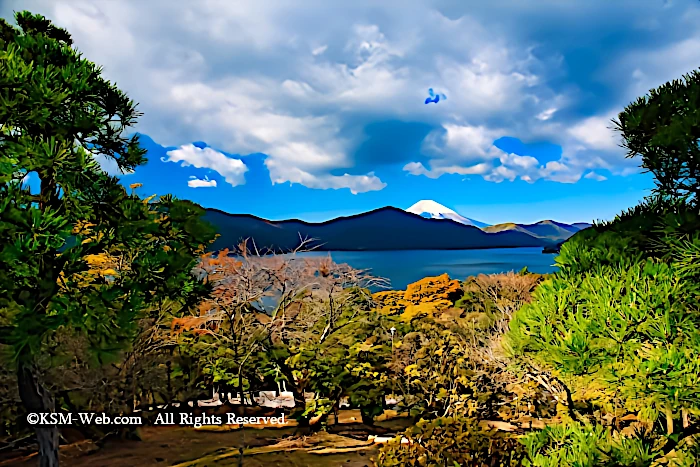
point(274, 109)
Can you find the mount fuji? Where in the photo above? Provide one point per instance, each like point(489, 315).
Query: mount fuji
point(426, 225)
point(433, 210)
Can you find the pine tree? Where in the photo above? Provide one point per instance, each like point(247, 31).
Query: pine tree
point(57, 113)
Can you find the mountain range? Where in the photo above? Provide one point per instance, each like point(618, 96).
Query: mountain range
point(426, 226)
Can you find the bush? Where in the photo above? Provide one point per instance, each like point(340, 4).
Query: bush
point(451, 441)
point(579, 445)
point(634, 235)
point(627, 339)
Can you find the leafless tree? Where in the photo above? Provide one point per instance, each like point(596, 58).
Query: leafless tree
point(264, 299)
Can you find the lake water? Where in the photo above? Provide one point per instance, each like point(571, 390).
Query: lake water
point(405, 267)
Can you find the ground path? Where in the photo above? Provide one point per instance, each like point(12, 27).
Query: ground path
point(187, 447)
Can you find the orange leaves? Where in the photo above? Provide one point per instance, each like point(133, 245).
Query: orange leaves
point(429, 294)
point(430, 289)
point(222, 261)
point(198, 325)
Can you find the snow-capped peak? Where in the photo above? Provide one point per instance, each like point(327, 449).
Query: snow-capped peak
point(429, 206)
point(432, 209)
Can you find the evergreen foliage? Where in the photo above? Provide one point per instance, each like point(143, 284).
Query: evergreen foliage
point(57, 114)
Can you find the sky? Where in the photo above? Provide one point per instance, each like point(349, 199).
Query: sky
point(315, 109)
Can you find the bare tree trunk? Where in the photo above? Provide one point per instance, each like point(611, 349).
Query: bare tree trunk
point(37, 399)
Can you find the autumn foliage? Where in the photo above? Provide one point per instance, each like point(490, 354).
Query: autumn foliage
point(426, 296)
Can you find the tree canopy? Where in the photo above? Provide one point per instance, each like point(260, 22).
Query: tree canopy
point(57, 113)
point(663, 128)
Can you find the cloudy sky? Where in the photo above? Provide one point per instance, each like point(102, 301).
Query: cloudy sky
point(314, 109)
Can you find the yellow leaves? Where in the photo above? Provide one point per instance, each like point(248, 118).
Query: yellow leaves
point(412, 370)
point(61, 281)
point(430, 296)
point(363, 347)
point(562, 411)
point(414, 311)
point(82, 227)
point(390, 310)
point(102, 265)
point(147, 200)
point(432, 289)
point(95, 260)
point(429, 289)
point(463, 380)
point(389, 298)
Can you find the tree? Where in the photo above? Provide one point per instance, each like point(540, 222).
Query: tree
point(453, 375)
point(57, 112)
point(663, 128)
point(280, 318)
point(618, 323)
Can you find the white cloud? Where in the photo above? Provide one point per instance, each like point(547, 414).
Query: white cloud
point(299, 84)
point(469, 150)
point(276, 100)
point(503, 167)
point(546, 114)
point(417, 168)
point(356, 183)
point(559, 172)
point(500, 173)
point(233, 170)
point(529, 169)
point(464, 142)
point(596, 133)
point(319, 50)
point(195, 182)
point(595, 176)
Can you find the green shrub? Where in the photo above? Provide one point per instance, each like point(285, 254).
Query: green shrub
point(579, 445)
point(634, 235)
point(625, 338)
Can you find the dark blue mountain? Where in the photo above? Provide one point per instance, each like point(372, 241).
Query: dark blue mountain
point(381, 229)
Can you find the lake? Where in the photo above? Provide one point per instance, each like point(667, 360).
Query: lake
point(407, 266)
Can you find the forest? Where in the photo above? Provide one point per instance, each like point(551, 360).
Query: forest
point(113, 303)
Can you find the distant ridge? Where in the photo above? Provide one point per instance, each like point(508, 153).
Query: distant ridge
point(385, 228)
point(546, 229)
